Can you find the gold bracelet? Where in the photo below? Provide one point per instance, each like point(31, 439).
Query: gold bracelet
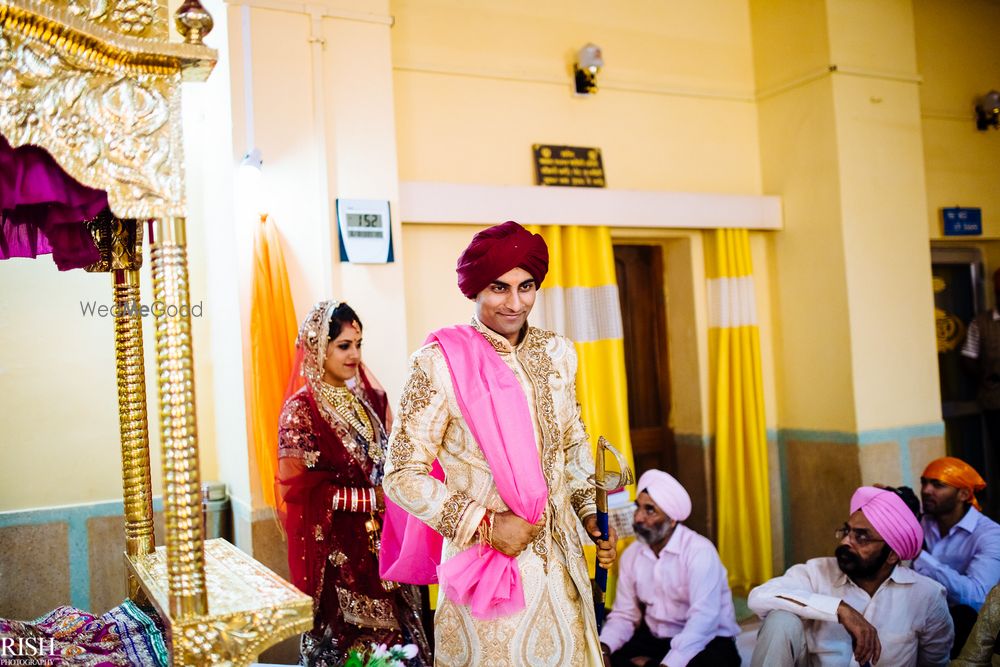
point(483, 529)
point(481, 534)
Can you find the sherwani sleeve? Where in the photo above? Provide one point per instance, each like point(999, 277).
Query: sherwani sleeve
point(793, 591)
point(978, 649)
point(576, 446)
point(416, 439)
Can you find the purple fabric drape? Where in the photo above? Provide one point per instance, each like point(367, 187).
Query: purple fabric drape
point(43, 209)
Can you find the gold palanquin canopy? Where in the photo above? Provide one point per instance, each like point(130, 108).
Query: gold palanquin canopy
point(97, 83)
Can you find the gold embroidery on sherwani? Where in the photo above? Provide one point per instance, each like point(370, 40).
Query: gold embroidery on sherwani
point(538, 364)
point(418, 392)
point(499, 344)
point(557, 626)
point(457, 650)
point(451, 513)
point(583, 497)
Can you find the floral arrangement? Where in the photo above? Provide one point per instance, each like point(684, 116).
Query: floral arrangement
point(382, 656)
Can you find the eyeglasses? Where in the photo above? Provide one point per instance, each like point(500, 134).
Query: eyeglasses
point(859, 537)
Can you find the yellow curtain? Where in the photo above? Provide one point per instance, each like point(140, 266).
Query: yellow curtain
point(741, 472)
point(579, 299)
point(272, 349)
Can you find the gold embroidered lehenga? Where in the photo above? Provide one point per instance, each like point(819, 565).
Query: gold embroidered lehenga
point(330, 458)
point(557, 625)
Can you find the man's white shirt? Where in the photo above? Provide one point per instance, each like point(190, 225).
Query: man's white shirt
point(909, 612)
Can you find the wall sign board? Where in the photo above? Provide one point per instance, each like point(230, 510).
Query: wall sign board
point(962, 221)
point(572, 166)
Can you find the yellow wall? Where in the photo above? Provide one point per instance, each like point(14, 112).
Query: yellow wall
point(432, 297)
point(844, 150)
point(790, 42)
point(876, 37)
point(720, 96)
point(893, 348)
point(958, 64)
point(60, 398)
point(477, 83)
point(814, 386)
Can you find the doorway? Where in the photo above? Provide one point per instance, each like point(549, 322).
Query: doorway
point(959, 295)
point(639, 270)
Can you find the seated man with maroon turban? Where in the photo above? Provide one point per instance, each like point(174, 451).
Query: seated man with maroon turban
point(863, 603)
point(489, 459)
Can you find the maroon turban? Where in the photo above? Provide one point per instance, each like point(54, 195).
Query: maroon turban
point(495, 251)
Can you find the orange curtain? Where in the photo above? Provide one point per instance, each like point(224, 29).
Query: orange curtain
point(273, 328)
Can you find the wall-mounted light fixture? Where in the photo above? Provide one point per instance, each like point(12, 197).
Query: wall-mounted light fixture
point(250, 188)
point(988, 111)
point(253, 159)
point(589, 62)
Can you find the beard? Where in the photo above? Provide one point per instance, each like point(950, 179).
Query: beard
point(651, 535)
point(939, 507)
point(855, 566)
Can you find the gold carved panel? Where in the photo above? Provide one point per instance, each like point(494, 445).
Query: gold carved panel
point(106, 106)
point(249, 607)
point(138, 18)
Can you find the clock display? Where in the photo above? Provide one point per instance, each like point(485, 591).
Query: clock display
point(364, 226)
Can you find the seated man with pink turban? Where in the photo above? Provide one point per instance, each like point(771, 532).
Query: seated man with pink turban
point(487, 474)
point(862, 606)
point(672, 601)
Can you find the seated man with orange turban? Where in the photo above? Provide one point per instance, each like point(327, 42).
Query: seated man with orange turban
point(863, 603)
point(961, 545)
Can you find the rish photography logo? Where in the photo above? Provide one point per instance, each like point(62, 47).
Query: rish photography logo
point(27, 650)
point(133, 308)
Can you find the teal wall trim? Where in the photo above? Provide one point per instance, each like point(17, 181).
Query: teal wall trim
point(901, 435)
point(75, 517)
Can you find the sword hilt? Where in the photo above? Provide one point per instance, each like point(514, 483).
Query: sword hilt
point(605, 482)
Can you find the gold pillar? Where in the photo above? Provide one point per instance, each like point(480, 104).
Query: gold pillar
point(175, 377)
point(119, 242)
point(132, 419)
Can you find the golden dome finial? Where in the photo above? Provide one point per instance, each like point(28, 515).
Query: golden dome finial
point(193, 21)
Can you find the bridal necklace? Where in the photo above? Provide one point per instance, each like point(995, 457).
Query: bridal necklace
point(349, 408)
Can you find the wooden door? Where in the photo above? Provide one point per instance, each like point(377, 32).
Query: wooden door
point(640, 288)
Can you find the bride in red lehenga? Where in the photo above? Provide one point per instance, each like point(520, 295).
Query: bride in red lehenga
point(331, 443)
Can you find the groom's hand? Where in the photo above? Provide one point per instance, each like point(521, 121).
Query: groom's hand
point(511, 533)
point(606, 549)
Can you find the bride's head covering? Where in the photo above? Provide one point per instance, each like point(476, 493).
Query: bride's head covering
point(310, 353)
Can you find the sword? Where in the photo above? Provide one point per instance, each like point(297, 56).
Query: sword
point(606, 482)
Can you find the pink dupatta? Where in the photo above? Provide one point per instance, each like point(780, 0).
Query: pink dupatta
point(496, 411)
